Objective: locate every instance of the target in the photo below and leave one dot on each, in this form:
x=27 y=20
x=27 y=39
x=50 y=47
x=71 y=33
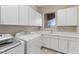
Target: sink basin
x=21 y=34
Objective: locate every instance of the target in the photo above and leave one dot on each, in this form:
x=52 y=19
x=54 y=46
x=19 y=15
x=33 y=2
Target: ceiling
x=40 y=5
x=51 y=5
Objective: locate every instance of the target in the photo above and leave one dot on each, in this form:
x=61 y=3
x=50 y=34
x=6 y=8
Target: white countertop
x=33 y=35
x=65 y=34
x=72 y=35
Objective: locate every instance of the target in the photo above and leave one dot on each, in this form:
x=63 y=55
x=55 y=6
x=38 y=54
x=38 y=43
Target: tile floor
x=48 y=51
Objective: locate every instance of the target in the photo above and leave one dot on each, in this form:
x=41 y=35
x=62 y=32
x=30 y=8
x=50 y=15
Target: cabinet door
x=23 y=15
x=61 y=17
x=71 y=18
x=38 y=19
x=63 y=46
x=32 y=17
x=54 y=44
x=47 y=42
x=9 y=14
x=67 y=17
x=73 y=47
x=35 y=19
x=50 y=42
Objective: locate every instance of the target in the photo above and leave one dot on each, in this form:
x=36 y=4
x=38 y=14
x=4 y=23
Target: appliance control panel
x=5 y=36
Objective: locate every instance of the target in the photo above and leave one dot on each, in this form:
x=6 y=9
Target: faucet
x=52 y=29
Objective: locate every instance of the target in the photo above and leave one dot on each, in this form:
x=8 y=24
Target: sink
x=22 y=34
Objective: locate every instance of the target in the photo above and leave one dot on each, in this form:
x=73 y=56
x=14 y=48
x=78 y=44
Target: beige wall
x=54 y=8
x=67 y=28
x=14 y=29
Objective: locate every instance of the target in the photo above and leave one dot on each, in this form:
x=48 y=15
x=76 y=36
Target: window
x=51 y=22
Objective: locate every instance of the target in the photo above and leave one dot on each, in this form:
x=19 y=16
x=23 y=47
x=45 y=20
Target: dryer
x=32 y=42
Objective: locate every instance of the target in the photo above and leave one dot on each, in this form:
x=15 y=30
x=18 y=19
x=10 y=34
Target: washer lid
x=6 y=47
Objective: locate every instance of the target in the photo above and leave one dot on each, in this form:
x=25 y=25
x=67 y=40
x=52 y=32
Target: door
x=9 y=14
x=23 y=15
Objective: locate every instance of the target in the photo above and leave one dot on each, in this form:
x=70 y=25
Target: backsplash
x=67 y=28
x=13 y=29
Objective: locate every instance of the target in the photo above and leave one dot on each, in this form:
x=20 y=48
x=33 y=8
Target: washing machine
x=32 y=42
x=10 y=45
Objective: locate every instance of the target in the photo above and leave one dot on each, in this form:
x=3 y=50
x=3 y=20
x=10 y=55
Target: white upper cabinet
x=72 y=16
x=67 y=17
x=35 y=18
x=38 y=20
x=32 y=16
x=9 y=14
x=61 y=16
x=23 y=15
x=20 y=15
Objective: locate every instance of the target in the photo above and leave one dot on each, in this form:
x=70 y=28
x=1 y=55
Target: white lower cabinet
x=63 y=46
x=54 y=44
x=73 y=47
x=46 y=42
x=50 y=42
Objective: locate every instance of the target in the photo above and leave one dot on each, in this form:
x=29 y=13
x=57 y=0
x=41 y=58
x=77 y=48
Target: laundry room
x=38 y=29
